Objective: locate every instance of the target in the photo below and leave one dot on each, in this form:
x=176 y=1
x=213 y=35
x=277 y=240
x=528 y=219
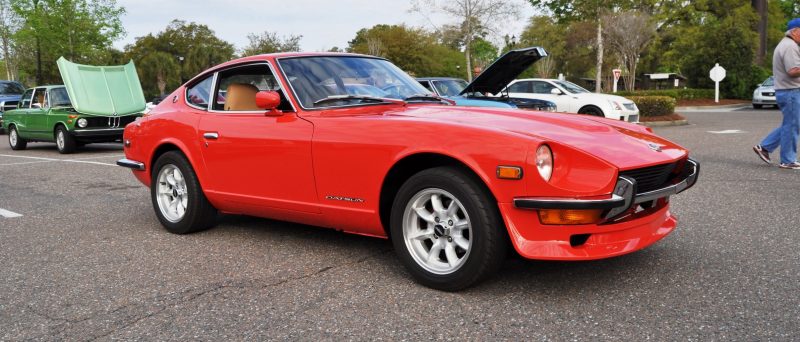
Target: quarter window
x=197 y=95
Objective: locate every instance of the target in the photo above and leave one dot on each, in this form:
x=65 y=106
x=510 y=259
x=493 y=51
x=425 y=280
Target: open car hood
x=102 y=90
x=504 y=70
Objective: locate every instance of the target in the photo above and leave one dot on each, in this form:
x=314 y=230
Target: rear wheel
x=65 y=142
x=591 y=110
x=15 y=141
x=177 y=197
x=446 y=229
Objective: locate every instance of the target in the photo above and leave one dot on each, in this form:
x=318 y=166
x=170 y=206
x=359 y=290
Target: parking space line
x=76 y=160
x=8 y=214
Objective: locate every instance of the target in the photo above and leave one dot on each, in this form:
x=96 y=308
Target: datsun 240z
x=279 y=136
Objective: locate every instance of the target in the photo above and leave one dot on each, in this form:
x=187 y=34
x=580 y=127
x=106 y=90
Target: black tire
x=199 y=213
x=758 y=106
x=489 y=239
x=65 y=142
x=19 y=143
x=592 y=110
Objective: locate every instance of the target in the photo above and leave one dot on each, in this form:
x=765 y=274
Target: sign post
x=617 y=74
x=717 y=74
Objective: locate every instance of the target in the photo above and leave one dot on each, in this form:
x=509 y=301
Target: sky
x=323 y=24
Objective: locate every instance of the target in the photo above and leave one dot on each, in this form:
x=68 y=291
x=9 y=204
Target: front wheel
x=446 y=229
x=65 y=142
x=177 y=197
x=591 y=110
x=15 y=141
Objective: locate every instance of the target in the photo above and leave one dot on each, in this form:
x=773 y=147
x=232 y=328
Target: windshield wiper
x=425 y=97
x=363 y=98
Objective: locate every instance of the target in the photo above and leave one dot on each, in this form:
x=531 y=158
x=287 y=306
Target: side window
x=38 y=97
x=197 y=95
x=237 y=87
x=542 y=87
x=520 y=87
x=25 y=101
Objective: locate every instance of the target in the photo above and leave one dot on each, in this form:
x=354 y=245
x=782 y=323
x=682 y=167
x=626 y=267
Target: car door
x=564 y=102
x=20 y=115
x=37 y=116
x=253 y=158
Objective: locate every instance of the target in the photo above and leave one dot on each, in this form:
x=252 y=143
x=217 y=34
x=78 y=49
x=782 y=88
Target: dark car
x=492 y=81
x=10 y=92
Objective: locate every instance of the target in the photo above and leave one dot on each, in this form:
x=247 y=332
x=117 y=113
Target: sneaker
x=791 y=166
x=762 y=153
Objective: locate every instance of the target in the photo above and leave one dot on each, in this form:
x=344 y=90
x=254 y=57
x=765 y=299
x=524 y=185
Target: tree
x=162 y=68
x=9 y=24
x=80 y=30
x=790 y=8
x=194 y=47
x=474 y=18
x=544 y=32
x=483 y=52
x=269 y=42
x=629 y=36
x=412 y=49
x=573 y=10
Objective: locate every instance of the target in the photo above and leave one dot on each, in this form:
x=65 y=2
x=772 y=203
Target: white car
x=764 y=95
x=572 y=98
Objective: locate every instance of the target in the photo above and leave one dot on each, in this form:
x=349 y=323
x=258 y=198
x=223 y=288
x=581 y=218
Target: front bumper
x=631 y=221
x=98 y=134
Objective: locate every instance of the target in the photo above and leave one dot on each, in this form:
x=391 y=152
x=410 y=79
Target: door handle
x=211 y=135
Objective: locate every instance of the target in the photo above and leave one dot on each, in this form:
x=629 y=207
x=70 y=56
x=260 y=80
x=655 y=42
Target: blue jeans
x=786 y=135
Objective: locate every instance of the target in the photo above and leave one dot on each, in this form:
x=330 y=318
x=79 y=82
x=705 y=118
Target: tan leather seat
x=241 y=97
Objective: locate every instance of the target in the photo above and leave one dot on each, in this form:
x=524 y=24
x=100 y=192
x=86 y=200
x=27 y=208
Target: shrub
x=654 y=105
x=678 y=94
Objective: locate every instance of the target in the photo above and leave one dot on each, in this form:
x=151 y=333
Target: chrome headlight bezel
x=82 y=123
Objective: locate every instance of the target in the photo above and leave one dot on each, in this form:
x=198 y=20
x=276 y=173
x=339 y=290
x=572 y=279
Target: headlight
x=615 y=105
x=82 y=123
x=544 y=162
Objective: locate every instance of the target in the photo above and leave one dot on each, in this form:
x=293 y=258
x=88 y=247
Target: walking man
x=786 y=69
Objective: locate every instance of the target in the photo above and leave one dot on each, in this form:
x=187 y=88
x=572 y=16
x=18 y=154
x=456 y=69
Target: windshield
x=769 y=82
x=317 y=78
x=449 y=87
x=59 y=98
x=571 y=87
x=11 y=88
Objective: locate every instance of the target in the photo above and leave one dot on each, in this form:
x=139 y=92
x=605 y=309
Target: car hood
x=766 y=88
x=621 y=144
x=102 y=90
x=10 y=97
x=504 y=70
x=464 y=101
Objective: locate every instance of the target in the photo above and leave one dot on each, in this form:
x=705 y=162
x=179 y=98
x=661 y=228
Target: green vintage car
x=94 y=105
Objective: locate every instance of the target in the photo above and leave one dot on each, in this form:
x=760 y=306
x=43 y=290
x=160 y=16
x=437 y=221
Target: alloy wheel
x=172 y=195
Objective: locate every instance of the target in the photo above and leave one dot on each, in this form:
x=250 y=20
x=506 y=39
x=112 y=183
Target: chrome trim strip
x=121 y=129
x=621 y=200
x=131 y=164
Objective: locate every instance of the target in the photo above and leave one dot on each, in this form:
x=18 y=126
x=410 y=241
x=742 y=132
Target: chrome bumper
x=623 y=198
x=131 y=164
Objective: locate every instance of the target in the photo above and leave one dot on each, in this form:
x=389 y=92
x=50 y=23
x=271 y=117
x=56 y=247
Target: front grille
x=768 y=94
x=633 y=118
x=650 y=178
x=630 y=106
x=109 y=121
x=8 y=105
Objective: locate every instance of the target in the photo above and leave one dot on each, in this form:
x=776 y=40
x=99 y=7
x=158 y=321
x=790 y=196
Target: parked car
x=480 y=92
x=86 y=109
x=764 y=95
x=453 y=187
x=10 y=92
x=572 y=98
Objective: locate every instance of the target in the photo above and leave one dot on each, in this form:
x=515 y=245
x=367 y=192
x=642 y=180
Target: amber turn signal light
x=509 y=172
x=569 y=216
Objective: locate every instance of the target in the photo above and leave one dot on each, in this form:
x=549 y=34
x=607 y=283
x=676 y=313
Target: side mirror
x=36 y=105
x=269 y=100
x=555 y=91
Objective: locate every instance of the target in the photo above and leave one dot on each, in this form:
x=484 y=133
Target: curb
x=665 y=123
x=730 y=106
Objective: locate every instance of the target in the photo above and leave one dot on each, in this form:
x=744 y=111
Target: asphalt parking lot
x=87 y=260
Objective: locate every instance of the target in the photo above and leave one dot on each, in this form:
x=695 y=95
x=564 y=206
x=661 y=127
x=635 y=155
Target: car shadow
x=516 y=275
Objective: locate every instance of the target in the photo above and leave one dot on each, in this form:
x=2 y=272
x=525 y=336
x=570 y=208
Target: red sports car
x=286 y=136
